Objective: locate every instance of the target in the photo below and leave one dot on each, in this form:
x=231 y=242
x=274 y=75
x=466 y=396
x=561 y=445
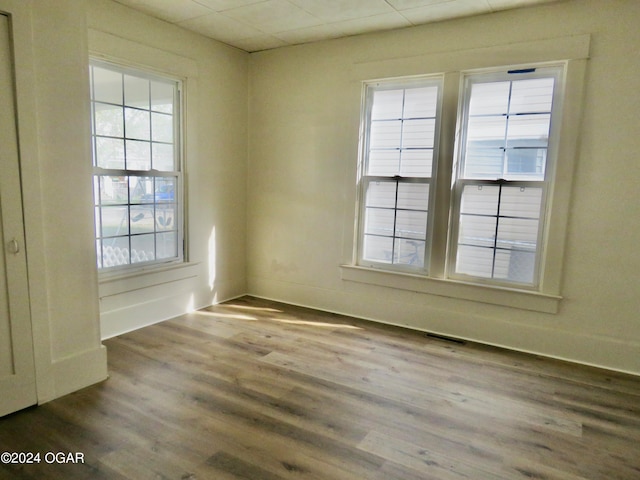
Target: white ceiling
x=254 y=25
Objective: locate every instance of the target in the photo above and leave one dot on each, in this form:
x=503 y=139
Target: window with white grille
x=500 y=176
x=136 y=165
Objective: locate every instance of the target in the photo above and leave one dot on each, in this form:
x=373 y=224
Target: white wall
x=216 y=79
x=303 y=138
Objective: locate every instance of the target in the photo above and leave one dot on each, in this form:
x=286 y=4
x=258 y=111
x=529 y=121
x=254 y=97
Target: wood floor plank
x=255 y=389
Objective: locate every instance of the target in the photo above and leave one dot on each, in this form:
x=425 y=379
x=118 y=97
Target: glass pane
x=484 y=162
x=480 y=200
x=515 y=266
x=528 y=131
x=165 y=189
x=162 y=127
x=411 y=224
x=420 y=102
x=167 y=245
x=108 y=120
x=142 y=248
x=377 y=249
x=409 y=252
x=533 y=95
x=141 y=189
x=489 y=98
x=138 y=155
x=107 y=86
x=115 y=251
x=385 y=134
x=414 y=196
x=137 y=124
x=142 y=219
x=162 y=97
x=115 y=221
x=517 y=233
x=109 y=152
x=384 y=162
x=166 y=216
x=381 y=194
x=521 y=202
x=387 y=104
x=162 y=157
x=477 y=230
x=379 y=221
x=99 y=252
x=136 y=92
x=526 y=163
x=418 y=133
x=486 y=132
x=416 y=163
x=476 y=261
x=113 y=190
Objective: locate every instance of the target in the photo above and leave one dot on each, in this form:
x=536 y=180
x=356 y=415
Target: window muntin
x=398 y=151
x=501 y=178
x=136 y=166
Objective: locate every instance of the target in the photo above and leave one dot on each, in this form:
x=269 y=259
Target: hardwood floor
x=259 y=390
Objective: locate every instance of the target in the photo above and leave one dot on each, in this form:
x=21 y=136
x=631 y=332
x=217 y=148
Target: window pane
x=413 y=196
x=515 y=266
x=142 y=248
x=517 y=234
x=113 y=190
x=379 y=221
x=521 y=202
x=411 y=224
x=137 y=124
x=166 y=217
x=475 y=261
x=109 y=152
x=480 y=199
x=486 y=132
x=418 y=133
x=477 y=230
x=409 y=252
x=142 y=219
x=385 y=134
x=115 y=221
x=138 y=155
x=115 y=252
x=526 y=163
x=528 y=130
x=416 y=163
x=163 y=157
x=377 y=249
x=162 y=97
x=381 y=194
x=165 y=189
x=387 y=104
x=484 y=162
x=166 y=245
x=489 y=98
x=162 y=127
x=108 y=120
x=136 y=92
x=107 y=86
x=533 y=95
x=141 y=189
x=420 y=102
x=384 y=162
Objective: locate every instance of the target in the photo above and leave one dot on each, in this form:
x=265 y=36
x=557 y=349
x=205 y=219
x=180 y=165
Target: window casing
x=135 y=119
x=500 y=175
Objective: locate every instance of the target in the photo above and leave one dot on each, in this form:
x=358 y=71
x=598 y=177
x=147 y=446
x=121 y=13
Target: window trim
x=149 y=267
x=574 y=50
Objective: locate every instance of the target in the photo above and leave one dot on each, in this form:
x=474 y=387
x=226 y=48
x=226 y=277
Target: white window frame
x=571 y=50
x=176 y=173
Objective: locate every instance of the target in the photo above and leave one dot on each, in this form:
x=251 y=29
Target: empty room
x=319 y=239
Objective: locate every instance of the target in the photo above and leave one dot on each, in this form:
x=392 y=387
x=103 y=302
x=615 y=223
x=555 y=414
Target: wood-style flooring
x=258 y=390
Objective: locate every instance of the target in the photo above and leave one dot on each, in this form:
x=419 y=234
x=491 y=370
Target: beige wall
x=303 y=139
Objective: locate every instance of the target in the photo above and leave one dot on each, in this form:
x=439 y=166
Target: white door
x=17 y=371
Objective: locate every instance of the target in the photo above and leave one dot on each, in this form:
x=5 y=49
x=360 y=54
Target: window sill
x=122 y=282
x=522 y=299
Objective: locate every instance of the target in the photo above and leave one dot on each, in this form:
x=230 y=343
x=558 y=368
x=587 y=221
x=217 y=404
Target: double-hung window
x=136 y=167
x=498 y=177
